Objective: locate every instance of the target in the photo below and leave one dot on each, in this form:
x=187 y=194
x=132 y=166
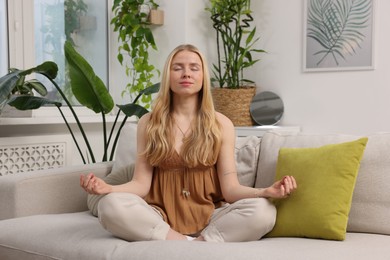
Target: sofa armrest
x=46 y=191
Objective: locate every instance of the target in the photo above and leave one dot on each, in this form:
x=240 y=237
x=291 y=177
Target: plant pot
x=144 y=9
x=156 y=17
x=235 y=104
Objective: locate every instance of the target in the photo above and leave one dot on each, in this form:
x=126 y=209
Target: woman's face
x=186 y=73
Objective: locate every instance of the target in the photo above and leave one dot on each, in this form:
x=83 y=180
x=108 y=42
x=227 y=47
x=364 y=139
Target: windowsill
x=58 y=120
x=51 y=116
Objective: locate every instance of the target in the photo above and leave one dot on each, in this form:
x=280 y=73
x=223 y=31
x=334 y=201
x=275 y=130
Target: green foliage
x=336 y=26
x=235 y=40
x=14 y=83
x=136 y=39
x=25 y=102
x=73 y=10
x=87 y=88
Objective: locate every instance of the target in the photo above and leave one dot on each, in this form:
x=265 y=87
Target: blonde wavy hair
x=202 y=146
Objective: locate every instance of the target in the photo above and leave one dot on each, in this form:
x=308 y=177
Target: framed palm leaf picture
x=338 y=35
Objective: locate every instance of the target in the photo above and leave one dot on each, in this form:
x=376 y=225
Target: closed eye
x=195 y=68
x=177 y=67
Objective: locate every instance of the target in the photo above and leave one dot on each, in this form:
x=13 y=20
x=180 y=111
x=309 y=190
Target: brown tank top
x=186 y=197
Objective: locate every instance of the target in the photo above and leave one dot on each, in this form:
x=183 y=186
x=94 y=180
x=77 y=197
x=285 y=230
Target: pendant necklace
x=186 y=193
x=182 y=132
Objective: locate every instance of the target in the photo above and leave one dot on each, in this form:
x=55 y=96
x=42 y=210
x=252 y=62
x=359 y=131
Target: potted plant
x=15 y=84
x=136 y=39
x=235 y=38
x=88 y=89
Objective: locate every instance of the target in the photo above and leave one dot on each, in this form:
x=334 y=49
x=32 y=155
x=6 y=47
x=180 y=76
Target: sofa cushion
x=46 y=191
x=246 y=153
x=370 y=209
x=326 y=177
x=80 y=236
x=126 y=150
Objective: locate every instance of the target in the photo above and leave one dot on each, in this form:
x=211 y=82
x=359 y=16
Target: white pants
x=129 y=217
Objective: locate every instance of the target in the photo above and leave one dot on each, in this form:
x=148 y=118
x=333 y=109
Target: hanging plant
x=136 y=39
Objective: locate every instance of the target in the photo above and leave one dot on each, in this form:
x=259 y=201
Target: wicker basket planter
x=235 y=103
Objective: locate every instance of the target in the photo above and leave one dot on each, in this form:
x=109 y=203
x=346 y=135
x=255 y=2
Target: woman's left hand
x=282 y=188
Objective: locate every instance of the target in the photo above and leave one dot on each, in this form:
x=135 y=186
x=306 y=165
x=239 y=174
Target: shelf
x=261 y=130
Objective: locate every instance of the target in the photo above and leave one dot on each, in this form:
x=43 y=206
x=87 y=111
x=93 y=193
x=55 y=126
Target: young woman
x=185 y=183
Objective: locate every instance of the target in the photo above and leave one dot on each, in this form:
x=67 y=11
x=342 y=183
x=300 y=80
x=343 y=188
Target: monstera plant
x=336 y=25
x=88 y=89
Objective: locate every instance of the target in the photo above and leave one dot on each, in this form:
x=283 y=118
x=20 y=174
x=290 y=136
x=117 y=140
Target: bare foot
x=173 y=235
x=199 y=238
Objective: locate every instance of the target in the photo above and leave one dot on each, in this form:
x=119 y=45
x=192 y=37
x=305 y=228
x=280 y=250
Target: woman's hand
x=282 y=188
x=94 y=185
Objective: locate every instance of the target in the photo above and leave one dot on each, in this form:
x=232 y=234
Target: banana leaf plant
x=88 y=89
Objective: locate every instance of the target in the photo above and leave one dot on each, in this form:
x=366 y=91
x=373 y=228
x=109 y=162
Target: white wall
x=352 y=102
x=347 y=102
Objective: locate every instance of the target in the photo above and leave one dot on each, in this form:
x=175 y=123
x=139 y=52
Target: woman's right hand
x=94 y=185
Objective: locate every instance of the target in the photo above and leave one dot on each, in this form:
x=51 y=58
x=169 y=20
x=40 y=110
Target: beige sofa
x=44 y=214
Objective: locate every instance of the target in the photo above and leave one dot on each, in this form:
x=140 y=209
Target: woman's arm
x=143 y=172
x=232 y=190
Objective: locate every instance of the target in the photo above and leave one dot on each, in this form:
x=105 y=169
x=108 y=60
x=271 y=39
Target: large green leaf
x=27 y=102
x=37 y=86
x=147 y=91
x=150 y=90
x=47 y=68
x=7 y=84
x=133 y=110
x=87 y=87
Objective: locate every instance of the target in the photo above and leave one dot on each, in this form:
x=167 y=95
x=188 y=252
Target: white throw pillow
x=126 y=150
x=247 y=154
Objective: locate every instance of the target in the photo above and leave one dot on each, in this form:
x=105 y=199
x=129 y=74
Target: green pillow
x=326 y=179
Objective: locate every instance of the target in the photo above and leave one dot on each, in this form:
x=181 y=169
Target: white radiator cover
x=30 y=153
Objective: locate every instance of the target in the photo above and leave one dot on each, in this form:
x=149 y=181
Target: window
x=3 y=38
x=43 y=26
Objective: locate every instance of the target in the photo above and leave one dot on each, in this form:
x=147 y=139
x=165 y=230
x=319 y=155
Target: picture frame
x=338 y=35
